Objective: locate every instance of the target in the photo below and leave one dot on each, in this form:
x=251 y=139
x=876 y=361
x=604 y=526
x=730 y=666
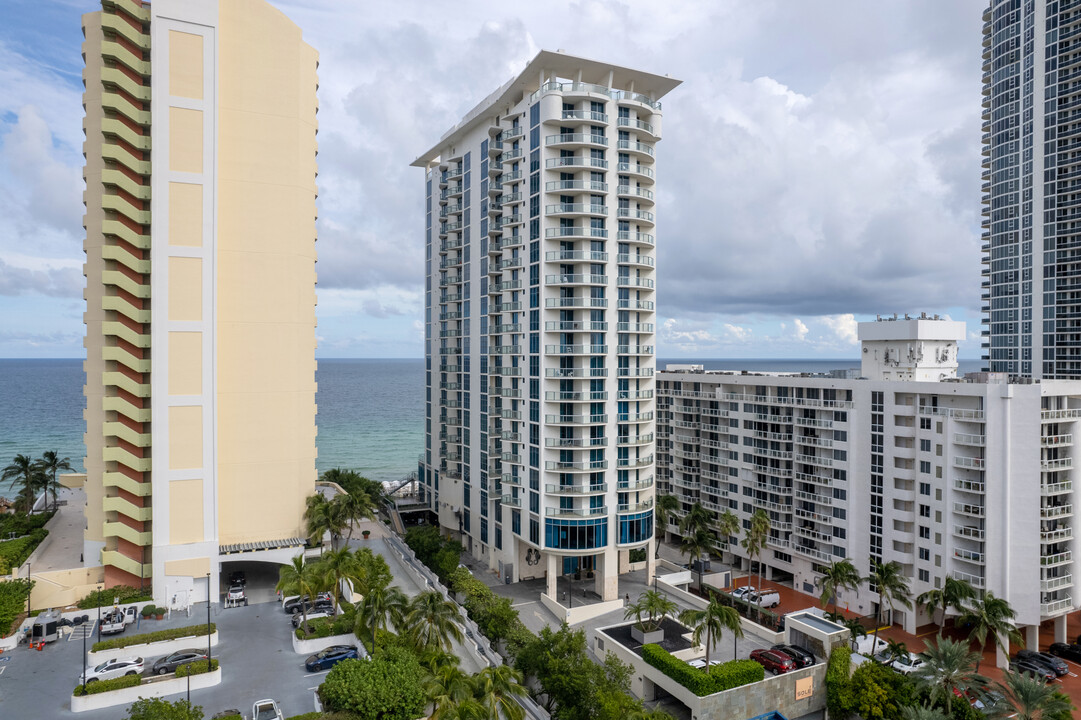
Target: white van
x=766 y=598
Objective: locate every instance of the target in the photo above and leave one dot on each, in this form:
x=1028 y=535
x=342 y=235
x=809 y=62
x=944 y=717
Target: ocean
x=371 y=411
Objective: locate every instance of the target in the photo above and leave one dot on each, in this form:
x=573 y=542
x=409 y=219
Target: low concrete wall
x=579 y=613
x=307 y=647
x=154 y=649
x=59 y=588
x=689 y=598
x=147 y=689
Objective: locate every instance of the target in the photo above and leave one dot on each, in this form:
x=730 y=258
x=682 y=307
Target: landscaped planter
x=162 y=647
x=307 y=647
x=150 y=688
x=656 y=636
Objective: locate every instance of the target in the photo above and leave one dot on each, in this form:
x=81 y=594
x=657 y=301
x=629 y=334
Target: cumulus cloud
x=801 y=329
x=53 y=281
x=844 y=327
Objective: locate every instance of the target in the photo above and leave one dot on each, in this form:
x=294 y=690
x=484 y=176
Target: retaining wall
x=149 y=688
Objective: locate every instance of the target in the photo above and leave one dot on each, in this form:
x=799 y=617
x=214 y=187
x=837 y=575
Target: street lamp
x=84 y=655
x=207 y=622
x=29 y=588
x=101 y=588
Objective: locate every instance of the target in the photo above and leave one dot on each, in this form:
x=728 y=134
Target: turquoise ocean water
x=371 y=412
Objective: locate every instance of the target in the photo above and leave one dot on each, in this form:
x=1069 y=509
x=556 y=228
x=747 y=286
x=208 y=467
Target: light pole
x=207 y=623
x=29 y=589
x=84 y=655
x=101 y=589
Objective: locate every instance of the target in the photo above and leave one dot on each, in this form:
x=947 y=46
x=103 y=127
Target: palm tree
x=754 y=542
x=696 y=546
x=892 y=587
x=662 y=511
x=954 y=594
x=712 y=621
x=339 y=565
x=838 y=575
x=446 y=686
x=727 y=527
x=495 y=689
x=1030 y=698
x=990 y=615
x=895 y=649
x=353 y=507
x=50 y=463
x=322 y=516
x=23 y=469
x=919 y=712
x=300 y=578
x=948 y=668
x=654 y=605
x=856 y=628
x=380 y=609
x=434 y=621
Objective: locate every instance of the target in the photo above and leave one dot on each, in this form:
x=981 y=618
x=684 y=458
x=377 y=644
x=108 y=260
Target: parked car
x=1066 y=651
x=331 y=656
x=237 y=577
x=773 y=660
x=171 y=662
x=1058 y=665
x=113 y=622
x=114 y=669
x=1026 y=665
x=765 y=598
x=319 y=606
x=741 y=591
x=907 y=663
x=802 y=656
x=236 y=595
x=700 y=663
x=265 y=710
x=292 y=604
x=299 y=618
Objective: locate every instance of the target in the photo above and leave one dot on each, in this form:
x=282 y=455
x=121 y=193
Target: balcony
x=975 y=581
x=575 y=232
x=585 y=115
x=511 y=501
x=582 y=442
x=576 y=512
x=572 y=396
x=1052 y=489
x=1056 y=607
x=641 y=171
x=635 y=147
x=635 y=237
x=629 y=259
x=583 y=185
x=641 y=484
x=575 y=326
x=630 y=191
x=576 y=489
x=637 y=282
x=571 y=209
x=1048 y=537
x=575 y=419
x=582 y=466
x=1056 y=465
x=637 y=125
x=568 y=162
x=969 y=556
x=576 y=256
x=1056 y=583
x=969 y=486
x=1053 y=441
x=1056 y=559
x=571 y=280
x=635 y=507
x=969 y=510
x=1052 y=512
x=575 y=349
x=576 y=140
x=643 y=439
x=1057 y=415
x=633 y=214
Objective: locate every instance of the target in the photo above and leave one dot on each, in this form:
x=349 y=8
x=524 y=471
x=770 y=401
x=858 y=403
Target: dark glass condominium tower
x=1032 y=187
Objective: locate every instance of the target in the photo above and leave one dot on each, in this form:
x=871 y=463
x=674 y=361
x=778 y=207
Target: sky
x=819 y=164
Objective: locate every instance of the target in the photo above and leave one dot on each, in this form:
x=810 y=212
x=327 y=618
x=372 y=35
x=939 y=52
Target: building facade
x=964 y=477
x=200 y=266
x=539 y=313
x=1031 y=156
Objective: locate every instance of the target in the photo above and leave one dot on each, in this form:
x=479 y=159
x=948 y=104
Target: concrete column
x=606 y=577
x=1002 y=659
x=1060 y=629
x=552 y=575
x=651 y=560
x=1032 y=637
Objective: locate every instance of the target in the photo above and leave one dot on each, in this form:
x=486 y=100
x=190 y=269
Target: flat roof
x=818 y=623
x=559 y=64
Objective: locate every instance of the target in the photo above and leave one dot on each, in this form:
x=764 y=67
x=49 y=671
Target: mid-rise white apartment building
x=965 y=477
x=539 y=321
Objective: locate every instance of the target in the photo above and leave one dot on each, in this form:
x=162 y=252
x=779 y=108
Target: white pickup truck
x=266 y=710
x=114 y=621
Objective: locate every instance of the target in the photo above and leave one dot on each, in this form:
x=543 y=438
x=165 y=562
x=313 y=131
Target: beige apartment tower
x=200 y=302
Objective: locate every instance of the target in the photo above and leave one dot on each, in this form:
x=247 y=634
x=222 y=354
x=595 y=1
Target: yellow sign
x=804 y=688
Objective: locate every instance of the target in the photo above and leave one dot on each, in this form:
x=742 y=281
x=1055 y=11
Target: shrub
x=13 y=553
x=147 y=611
x=735 y=673
x=637 y=555
x=101 y=686
x=386 y=687
x=12 y=602
x=158 y=709
x=20 y=523
x=157 y=636
x=196 y=668
x=839 y=701
x=697 y=681
x=119 y=594
x=305 y=716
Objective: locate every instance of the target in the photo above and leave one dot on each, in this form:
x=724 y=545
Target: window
x=925 y=445
x=925 y=488
x=925 y=532
x=925 y=511
x=925 y=467
x=924 y=576
x=925 y=554
x=925 y=423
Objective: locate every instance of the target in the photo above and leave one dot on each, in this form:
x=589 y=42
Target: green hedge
x=719 y=678
x=13 y=553
x=105 y=598
x=196 y=668
x=305 y=716
x=22 y=524
x=492 y=613
x=326 y=626
x=156 y=636
x=100 y=686
x=12 y=603
x=838 y=698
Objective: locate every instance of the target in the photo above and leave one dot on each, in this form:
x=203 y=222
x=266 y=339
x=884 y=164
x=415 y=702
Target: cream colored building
x=200 y=267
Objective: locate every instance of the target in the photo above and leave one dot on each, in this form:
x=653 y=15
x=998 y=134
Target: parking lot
x=255 y=651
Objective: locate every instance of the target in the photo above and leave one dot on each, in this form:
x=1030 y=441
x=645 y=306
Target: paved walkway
x=63 y=549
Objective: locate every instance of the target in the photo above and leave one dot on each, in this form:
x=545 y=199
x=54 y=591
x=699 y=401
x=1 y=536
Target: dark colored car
x=317 y=611
x=293 y=606
x=1057 y=665
x=773 y=660
x=171 y=662
x=803 y=657
x=331 y=656
x=237 y=577
x=1025 y=665
x=1066 y=651
x=319 y=605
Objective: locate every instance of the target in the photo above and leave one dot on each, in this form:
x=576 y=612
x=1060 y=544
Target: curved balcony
x=639 y=484
x=636 y=148
x=566 y=140
x=635 y=440
x=505 y=264
x=640 y=328
x=575 y=349
x=583 y=372
x=575 y=489
x=635 y=282
x=566 y=280
x=634 y=463
x=509 y=221
x=576 y=302
x=583 y=115
x=575 y=255
x=583 y=185
x=512 y=154
x=634 y=349
x=575 y=326
x=638 y=193
x=569 y=162
x=634 y=215
x=635 y=305
x=575 y=209
x=582 y=466
x=640 y=417
x=637 y=125
x=576 y=512
x=581 y=442
x=645 y=261
x=627 y=98
x=512 y=133
x=576 y=419
x=571 y=396
x=642 y=172
x=575 y=232
x=635 y=507
x=496 y=288
x=638 y=238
